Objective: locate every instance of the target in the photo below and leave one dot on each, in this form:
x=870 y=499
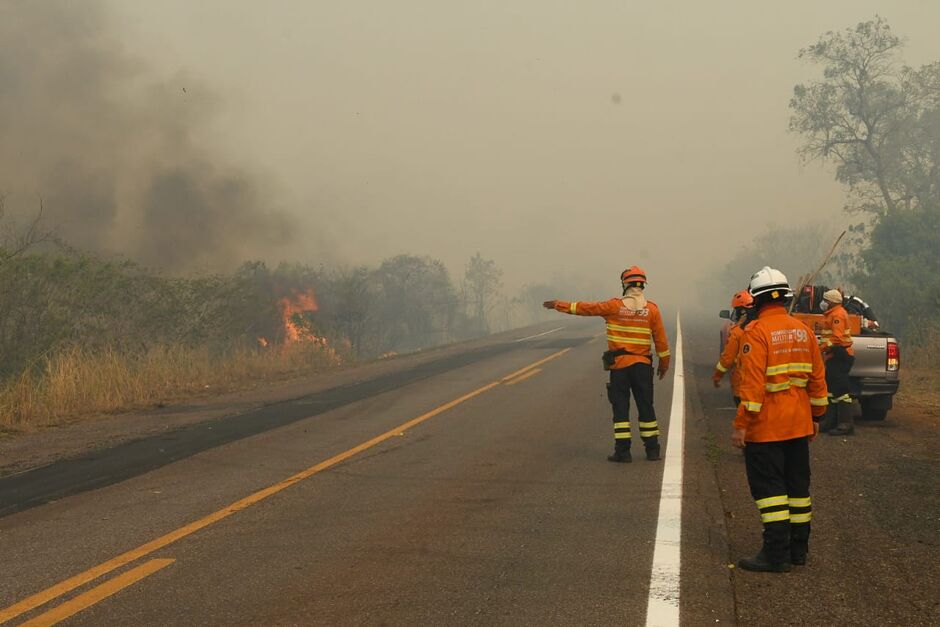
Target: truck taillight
x=894 y=356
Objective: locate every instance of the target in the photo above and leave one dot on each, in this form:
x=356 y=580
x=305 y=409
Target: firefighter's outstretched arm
x=604 y=308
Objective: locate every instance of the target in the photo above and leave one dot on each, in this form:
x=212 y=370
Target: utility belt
x=610 y=357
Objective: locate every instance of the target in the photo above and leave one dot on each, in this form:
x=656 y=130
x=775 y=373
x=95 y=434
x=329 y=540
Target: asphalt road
x=470 y=489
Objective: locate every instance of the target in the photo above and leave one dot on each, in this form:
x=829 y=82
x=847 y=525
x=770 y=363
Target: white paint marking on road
x=532 y=337
x=663 y=605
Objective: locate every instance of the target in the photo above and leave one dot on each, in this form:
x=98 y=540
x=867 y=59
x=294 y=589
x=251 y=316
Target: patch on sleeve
x=746 y=348
x=836 y=321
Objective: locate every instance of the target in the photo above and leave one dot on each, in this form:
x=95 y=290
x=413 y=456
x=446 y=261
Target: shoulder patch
x=746 y=348
x=836 y=321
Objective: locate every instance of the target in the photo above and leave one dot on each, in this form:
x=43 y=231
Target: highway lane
x=500 y=509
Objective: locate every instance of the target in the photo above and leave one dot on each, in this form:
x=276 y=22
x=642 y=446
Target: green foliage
x=54 y=301
x=879 y=123
x=901 y=273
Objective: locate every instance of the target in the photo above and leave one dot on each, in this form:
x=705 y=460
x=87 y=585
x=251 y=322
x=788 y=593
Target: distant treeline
x=55 y=300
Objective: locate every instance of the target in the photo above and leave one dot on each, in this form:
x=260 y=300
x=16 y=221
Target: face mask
x=823 y=306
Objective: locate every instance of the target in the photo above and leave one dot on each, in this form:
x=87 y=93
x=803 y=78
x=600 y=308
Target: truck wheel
x=873 y=409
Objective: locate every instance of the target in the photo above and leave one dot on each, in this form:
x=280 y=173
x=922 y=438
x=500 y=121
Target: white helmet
x=770 y=281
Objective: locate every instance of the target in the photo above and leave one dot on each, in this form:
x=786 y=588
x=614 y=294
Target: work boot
x=759 y=563
x=798 y=555
x=845 y=426
x=621 y=457
x=652 y=454
x=828 y=420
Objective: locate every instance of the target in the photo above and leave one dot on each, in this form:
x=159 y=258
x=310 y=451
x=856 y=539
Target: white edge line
x=523 y=339
x=663 y=604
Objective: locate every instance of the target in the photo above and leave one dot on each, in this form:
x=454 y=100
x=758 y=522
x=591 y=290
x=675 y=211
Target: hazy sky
x=550 y=136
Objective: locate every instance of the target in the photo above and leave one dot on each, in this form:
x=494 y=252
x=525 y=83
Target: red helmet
x=742 y=299
x=632 y=274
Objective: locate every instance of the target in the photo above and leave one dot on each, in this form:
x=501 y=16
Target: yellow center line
x=525 y=376
x=98 y=593
x=76 y=581
x=535 y=365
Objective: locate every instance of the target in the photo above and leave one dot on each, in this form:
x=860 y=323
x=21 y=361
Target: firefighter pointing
x=634 y=326
x=783 y=394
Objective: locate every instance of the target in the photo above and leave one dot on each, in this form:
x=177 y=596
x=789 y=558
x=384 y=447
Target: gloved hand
x=549 y=304
x=716 y=378
x=663 y=366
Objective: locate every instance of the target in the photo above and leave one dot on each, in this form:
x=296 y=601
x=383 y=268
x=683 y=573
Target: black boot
x=759 y=563
x=828 y=420
x=622 y=457
x=846 y=423
x=652 y=453
x=798 y=555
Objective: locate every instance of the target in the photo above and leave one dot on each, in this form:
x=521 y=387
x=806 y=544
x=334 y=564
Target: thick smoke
x=114 y=151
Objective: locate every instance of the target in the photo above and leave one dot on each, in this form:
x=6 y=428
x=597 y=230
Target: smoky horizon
x=564 y=143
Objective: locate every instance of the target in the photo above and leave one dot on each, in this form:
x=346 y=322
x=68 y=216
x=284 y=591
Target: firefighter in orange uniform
x=741 y=305
x=634 y=325
x=783 y=394
x=840 y=356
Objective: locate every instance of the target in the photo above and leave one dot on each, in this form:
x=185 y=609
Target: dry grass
x=77 y=382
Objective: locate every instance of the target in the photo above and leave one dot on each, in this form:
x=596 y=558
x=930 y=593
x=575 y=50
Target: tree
x=876 y=121
x=879 y=122
x=417 y=302
x=482 y=282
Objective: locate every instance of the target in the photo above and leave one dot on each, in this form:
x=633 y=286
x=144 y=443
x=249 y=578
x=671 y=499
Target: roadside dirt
x=875 y=546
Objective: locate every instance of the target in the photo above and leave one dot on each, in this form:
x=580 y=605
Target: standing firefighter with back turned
x=783 y=394
x=742 y=305
x=634 y=324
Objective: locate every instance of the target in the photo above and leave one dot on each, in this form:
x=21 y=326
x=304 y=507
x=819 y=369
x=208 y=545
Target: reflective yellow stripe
x=622 y=425
x=622 y=435
x=777 y=387
x=800 y=502
x=775 y=516
x=641 y=330
x=573 y=308
x=629 y=340
x=648 y=434
x=791 y=367
x=770 y=501
x=664 y=354
x=800 y=383
x=819 y=402
x=648 y=425
x=720 y=368
x=801 y=518
x=845 y=398
x=751 y=406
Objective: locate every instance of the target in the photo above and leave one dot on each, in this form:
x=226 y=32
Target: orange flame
x=290 y=306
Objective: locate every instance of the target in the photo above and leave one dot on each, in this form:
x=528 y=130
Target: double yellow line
x=95 y=595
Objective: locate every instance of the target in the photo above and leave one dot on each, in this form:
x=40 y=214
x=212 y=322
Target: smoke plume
x=114 y=150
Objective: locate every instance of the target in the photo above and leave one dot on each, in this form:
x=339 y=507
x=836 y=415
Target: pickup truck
x=874 y=376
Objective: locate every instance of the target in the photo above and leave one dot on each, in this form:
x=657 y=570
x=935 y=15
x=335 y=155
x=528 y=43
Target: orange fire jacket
x=783 y=379
x=633 y=331
x=729 y=356
x=836 y=331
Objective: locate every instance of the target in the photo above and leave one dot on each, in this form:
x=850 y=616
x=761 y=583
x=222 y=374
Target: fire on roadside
x=294 y=327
